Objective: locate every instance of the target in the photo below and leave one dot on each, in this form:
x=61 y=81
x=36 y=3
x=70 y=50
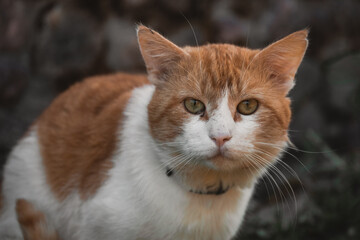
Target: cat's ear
x=160 y=55
x=281 y=59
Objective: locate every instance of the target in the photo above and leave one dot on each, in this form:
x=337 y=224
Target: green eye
x=248 y=106
x=194 y=106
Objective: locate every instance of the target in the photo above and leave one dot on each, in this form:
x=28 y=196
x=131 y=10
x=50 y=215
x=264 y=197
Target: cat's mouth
x=221 y=154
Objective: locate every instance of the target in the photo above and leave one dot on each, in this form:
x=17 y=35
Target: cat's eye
x=248 y=106
x=194 y=106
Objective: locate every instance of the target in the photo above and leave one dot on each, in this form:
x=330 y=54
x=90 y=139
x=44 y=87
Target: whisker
x=282 y=149
x=285 y=165
x=271 y=181
x=252 y=166
x=276 y=171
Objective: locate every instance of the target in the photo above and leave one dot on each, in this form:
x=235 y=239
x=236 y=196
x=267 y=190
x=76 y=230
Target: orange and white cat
x=171 y=155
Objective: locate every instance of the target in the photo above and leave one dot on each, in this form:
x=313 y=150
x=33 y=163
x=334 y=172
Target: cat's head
x=220 y=106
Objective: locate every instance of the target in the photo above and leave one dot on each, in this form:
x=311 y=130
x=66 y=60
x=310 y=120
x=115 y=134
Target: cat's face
x=220 y=106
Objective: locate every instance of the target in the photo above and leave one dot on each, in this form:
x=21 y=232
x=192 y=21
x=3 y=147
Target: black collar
x=219 y=191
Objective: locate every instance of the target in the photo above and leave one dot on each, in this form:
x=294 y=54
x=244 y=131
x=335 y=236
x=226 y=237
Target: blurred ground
x=47 y=45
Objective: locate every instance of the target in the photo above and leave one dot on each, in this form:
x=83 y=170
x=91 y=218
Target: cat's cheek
x=243 y=136
x=195 y=139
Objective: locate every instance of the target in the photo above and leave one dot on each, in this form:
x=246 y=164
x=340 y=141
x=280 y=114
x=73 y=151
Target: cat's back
x=78 y=132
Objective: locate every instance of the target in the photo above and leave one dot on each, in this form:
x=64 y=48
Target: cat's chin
x=223 y=162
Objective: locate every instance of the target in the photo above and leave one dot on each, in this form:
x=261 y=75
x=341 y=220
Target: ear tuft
x=141 y=27
x=282 y=59
x=160 y=55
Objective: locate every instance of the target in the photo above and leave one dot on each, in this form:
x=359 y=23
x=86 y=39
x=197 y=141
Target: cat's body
x=122 y=157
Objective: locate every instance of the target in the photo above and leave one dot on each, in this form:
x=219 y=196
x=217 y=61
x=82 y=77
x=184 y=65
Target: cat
x=171 y=155
x=33 y=223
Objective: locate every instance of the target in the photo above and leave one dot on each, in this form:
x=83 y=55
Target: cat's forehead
x=216 y=69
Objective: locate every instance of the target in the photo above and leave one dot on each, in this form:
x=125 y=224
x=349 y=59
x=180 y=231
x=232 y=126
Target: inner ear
x=160 y=55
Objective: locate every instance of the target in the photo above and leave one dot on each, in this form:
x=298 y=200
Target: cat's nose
x=220 y=140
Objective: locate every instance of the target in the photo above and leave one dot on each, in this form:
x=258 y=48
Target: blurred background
x=47 y=45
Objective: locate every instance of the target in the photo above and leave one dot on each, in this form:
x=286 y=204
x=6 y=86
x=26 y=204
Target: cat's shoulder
x=78 y=132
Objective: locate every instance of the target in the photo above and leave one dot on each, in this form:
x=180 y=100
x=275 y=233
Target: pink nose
x=220 y=140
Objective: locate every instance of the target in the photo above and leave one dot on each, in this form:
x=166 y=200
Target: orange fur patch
x=33 y=223
x=78 y=132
